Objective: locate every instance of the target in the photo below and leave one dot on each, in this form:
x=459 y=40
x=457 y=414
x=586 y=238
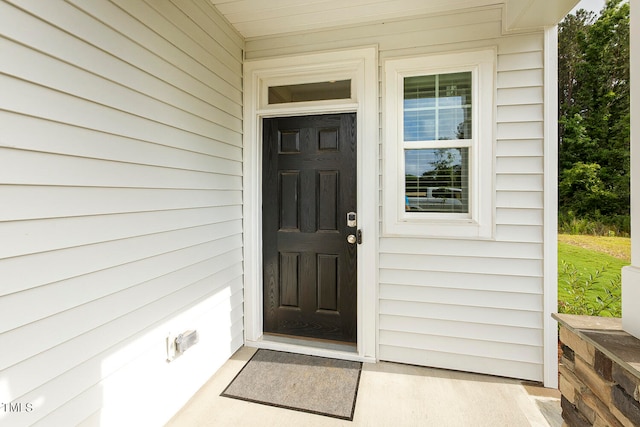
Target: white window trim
x=361 y=66
x=479 y=223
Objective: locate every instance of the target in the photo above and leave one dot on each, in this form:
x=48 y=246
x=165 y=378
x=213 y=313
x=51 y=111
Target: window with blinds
x=437 y=129
x=438 y=168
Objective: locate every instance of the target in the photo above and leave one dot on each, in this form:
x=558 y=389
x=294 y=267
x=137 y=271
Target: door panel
x=309 y=185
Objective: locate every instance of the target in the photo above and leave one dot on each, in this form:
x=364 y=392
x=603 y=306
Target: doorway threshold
x=312 y=347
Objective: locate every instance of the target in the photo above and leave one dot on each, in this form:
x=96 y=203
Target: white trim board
x=361 y=66
x=550 y=267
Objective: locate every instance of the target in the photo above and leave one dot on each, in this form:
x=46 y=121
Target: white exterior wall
x=473 y=305
x=120 y=206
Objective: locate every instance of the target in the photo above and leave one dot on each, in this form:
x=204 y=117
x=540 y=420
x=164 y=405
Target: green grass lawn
x=589 y=270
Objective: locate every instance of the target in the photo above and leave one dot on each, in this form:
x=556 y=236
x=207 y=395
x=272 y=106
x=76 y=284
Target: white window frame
x=479 y=221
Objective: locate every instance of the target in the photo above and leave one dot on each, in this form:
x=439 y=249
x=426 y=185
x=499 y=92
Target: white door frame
x=361 y=67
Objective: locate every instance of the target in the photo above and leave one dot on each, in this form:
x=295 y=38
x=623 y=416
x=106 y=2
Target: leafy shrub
x=585 y=295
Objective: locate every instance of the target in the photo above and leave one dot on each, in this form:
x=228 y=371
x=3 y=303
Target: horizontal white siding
x=121 y=218
x=472 y=305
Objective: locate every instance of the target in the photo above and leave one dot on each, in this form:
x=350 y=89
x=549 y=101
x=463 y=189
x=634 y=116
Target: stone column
x=631 y=274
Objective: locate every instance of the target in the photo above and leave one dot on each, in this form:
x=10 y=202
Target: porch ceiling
x=258 y=18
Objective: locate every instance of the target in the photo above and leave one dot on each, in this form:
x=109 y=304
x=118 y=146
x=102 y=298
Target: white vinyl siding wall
x=120 y=206
x=473 y=305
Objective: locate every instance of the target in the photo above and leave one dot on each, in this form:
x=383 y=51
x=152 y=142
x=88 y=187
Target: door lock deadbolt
x=352 y=219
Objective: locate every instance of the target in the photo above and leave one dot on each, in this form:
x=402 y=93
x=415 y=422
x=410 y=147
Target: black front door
x=308 y=187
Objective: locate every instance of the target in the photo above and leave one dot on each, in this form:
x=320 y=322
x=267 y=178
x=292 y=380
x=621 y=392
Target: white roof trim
x=527 y=14
x=259 y=18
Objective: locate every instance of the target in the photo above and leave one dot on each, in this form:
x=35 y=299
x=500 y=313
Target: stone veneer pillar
x=599 y=372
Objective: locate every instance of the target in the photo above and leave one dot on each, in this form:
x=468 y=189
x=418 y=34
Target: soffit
x=259 y=18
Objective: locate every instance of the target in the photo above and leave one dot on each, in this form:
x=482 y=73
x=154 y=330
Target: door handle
x=355 y=238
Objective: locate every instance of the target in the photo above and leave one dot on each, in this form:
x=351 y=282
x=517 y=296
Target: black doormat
x=318 y=385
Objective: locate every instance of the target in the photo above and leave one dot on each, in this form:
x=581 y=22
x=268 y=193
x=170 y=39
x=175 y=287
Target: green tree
x=571 y=41
x=594 y=119
x=576 y=143
x=582 y=188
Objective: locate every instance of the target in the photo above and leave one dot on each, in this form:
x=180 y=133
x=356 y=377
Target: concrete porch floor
x=390 y=394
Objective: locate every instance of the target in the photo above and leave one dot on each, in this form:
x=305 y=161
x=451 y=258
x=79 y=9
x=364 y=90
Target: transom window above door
x=439 y=145
x=320 y=91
